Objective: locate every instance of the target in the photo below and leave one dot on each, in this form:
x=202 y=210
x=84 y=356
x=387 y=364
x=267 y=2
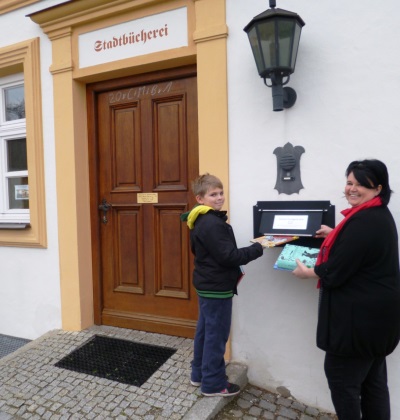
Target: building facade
x=111 y=107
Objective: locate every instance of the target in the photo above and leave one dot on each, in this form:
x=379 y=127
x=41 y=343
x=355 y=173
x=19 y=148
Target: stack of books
x=290 y=253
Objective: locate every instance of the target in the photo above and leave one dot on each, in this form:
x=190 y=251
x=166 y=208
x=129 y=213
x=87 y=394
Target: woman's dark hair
x=371 y=173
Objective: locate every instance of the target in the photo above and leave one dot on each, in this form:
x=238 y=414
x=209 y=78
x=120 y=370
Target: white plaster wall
x=30 y=287
x=348 y=84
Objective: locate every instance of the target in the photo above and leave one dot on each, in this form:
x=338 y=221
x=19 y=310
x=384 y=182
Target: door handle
x=104 y=207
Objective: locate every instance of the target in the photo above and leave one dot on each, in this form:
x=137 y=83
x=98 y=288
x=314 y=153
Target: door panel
x=170 y=144
x=144 y=154
x=128 y=276
x=169 y=278
x=127 y=167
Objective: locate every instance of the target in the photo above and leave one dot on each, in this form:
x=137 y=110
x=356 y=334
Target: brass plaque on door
x=143 y=198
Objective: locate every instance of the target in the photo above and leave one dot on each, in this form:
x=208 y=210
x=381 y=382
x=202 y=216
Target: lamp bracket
x=265 y=82
x=289 y=97
x=282 y=97
x=276 y=80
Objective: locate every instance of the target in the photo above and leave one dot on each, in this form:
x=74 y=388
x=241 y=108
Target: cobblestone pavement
x=32 y=387
x=256 y=403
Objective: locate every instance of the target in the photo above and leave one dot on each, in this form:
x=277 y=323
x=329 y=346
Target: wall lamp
x=274 y=37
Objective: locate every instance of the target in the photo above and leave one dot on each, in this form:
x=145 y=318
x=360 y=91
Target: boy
x=216 y=273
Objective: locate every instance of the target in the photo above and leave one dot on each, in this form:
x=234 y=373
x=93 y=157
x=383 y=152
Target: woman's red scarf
x=330 y=239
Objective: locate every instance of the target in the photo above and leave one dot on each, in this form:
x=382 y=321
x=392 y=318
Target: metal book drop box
x=297 y=218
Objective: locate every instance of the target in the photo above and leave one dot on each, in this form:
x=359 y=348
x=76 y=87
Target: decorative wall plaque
x=288 y=180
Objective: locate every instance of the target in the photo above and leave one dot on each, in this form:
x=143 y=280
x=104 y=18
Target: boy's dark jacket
x=217 y=258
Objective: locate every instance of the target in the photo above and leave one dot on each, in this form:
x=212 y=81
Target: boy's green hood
x=190 y=216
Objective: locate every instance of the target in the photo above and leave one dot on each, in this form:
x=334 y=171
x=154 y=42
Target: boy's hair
x=204 y=182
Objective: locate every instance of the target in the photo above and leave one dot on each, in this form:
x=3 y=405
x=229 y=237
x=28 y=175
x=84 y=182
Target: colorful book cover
x=269 y=241
x=290 y=253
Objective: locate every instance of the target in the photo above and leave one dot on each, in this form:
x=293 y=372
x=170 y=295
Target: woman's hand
x=323 y=232
x=304 y=272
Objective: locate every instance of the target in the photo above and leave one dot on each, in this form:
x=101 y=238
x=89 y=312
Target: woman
x=359 y=310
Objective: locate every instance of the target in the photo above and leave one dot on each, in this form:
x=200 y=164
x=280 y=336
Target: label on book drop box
x=290 y=253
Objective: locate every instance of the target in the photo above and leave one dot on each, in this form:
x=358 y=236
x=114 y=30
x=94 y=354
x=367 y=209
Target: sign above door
x=150 y=34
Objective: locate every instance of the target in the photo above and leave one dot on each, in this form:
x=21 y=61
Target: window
x=14 y=200
x=22 y=195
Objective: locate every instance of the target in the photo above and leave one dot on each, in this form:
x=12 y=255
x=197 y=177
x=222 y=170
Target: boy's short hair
x=204 y=182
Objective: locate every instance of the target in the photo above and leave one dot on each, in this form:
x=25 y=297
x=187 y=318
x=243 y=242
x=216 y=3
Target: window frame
x=9 y=131
x=8 y=82
x=24 y=58
x=8 y=215
x=10 y=5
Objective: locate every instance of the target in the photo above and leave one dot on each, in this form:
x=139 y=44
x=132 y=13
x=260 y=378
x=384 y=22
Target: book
x=242 y=273
x=269 y=241
x=290 y=253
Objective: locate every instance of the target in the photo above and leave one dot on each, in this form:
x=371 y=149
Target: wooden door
x=143 y=154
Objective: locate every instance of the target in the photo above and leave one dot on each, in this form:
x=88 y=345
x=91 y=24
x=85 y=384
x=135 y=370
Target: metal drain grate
x=118 y=360
x=9 y=344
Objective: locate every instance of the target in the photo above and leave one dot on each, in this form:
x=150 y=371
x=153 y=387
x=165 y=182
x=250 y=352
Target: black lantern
x=274 y=37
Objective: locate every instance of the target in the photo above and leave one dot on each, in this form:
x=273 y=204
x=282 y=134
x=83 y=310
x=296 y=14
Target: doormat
x=119 y=360
x=9 y=344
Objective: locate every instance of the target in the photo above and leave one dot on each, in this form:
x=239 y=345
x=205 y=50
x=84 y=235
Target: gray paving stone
x=269 y=397
x=266 y=405
x=236 y=413
x=267 y=415
x=255 y=411
x=298 y=406
x=244 y=403
x=284 y=401
x=254 y=391
x=312 y=411
x=247 y=396
x=287 y=412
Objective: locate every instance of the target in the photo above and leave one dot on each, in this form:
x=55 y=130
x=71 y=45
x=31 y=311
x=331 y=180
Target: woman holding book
x=359 y=310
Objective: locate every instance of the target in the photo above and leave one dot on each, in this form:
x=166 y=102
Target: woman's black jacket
x=359 y=312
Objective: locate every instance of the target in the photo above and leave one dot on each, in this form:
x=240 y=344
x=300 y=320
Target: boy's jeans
x=212 y=332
